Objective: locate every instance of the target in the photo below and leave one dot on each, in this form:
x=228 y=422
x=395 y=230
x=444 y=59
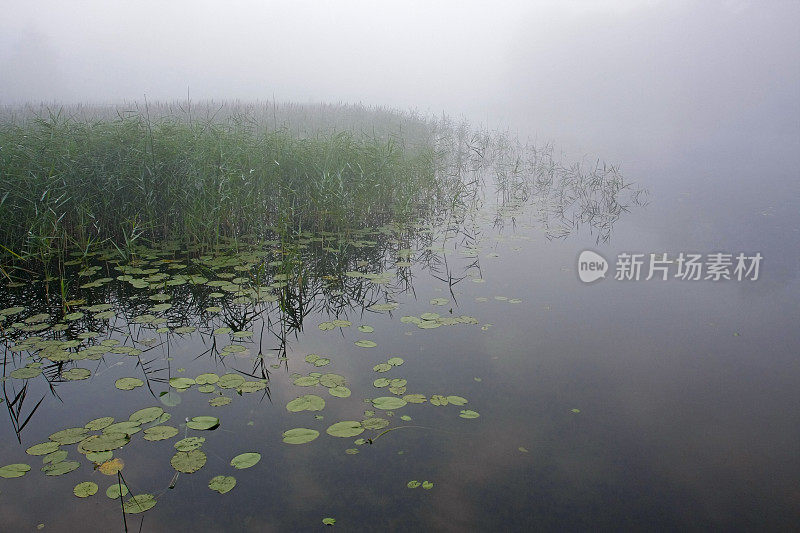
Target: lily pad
x=206 y=379
x=347 y=428
x=469 y=414
x=245 y=460
x=14 y=470
x=366 y=344
x=340 y=391
x=230 y=381
x=99 y=423
x=69 y=435
x=300 y=435
x=188 y=462
x=252 y=386
x=43 y=448
x=388 y=402
x=128 y=383
x=413 y=484
x=306 y=381
x=85 y=489
x=139 y=504
x=189 y=443
x=309 y=402
x=219 y=401
x=55 y=457
x=181 y=383
x=26 y=372
x=60 y=468
x=203 y=422
x=395 y=361
x=427 y=485
x=375 y=423
x=328 y=521
x=456 y=400
x=159 y=433
x=415 y=398
x=222 y=484
x=116 y=491
x=103 y=443
x=146 y=415
x=76 y=374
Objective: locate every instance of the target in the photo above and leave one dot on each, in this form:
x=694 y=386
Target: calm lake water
x=658 y=405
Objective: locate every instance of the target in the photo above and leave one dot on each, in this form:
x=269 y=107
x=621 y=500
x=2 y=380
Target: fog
x=611 y=77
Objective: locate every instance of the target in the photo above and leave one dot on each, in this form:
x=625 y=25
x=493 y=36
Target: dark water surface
x=657 y=405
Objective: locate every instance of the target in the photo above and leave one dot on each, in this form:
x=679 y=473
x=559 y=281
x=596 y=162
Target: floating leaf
x=111 y=467
x=469 y=414
x=104 y=442
x=206 y=379
x=456 y=400
x=139 y=504
x=306 y=381
x=189 y=443
x=14 y=470
x=99 y=457
x=523 y=449
x=252 y=386
x=331 y=380
x=347 y=428
x=366 y=344
x=309 y=402
x=230 y=381
x=99 y=423
x=413 y=484
x=116 y=491
x=395 y=361
x=329 y=521
x=26 y=373
x=181 y=383
x=375 y=423
x=299 y=435
x=188 y=462
x=415 y=398
x=124 y=427
x=380 y=383
x=60 y=468
x=576 y=411
x=388 y=402
x=382 y=367
x=159 y=433
x=203 y=422
x=427 y=485
x=366 y=329
x=340 y=391
x=438 y=399
x=146 y=415
x=69 y=435
x=76 y=374
x=85 y=489
x=128 y=383
x=245 y=460
x=55 y=457
x=170 y=398
x=43 y=449
x=222 y=484
x=219 y=401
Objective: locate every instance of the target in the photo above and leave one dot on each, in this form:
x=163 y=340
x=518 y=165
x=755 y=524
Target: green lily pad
x=456 y=400
x=347 y=428
x=99 y=457
x=415 y=398
x=188 y=462
x=222 y=484
x=219 y=401
x=69 y=435
x=169 y=398
x=203 y=422
x=245 y=460
x=139 y=504
x=117 y=491
x=395 y=361
x=331 y=380
x=146 y=415
x=340 y=391
x=206 y=379
x=380 y=383
x=382 y=367
x=438 y=399
x=469 y=414
x=230 y=381
x=103 y=443
x=43 y=448
x=375 y=423
x=26 y=372
x=427 y=485
x=76 y=374
x=14 y=470
x=388 y=402
x=328 y=521
x=128 y=383
x=60 y=468
x=309 y=402
x=55 y=457
x=366 y=344
x=181 y=383
x=159 y=433
x=306 y=381
x=124 y=427
x=85 y=489
x=300 y=435
x=413 y=484
x=252 y=386
x=189 y=443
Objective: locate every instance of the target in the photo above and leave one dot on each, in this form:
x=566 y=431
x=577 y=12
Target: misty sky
x=596 y=73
